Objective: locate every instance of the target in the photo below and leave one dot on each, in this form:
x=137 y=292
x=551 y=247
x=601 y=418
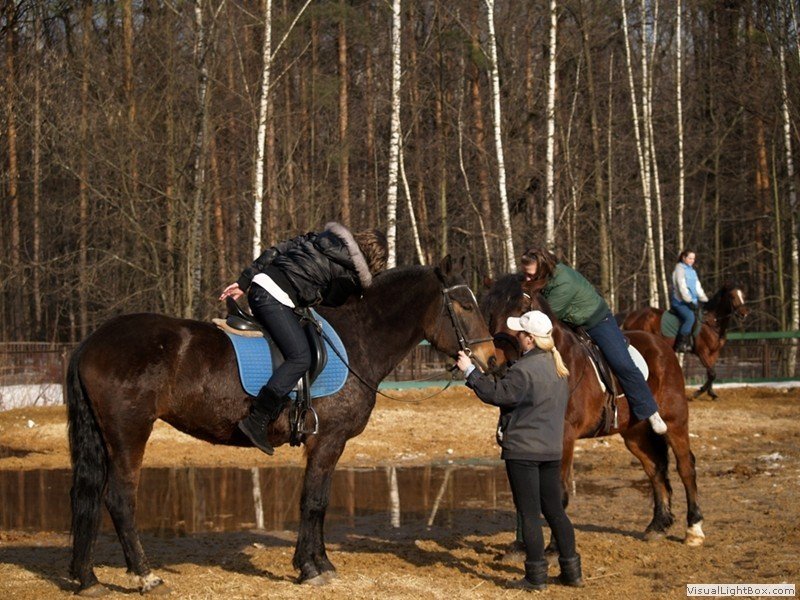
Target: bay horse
x=726 y=303
x=510 y=296
x=137 y=368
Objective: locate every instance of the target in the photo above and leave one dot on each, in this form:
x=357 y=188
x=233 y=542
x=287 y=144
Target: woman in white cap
x=532 y=397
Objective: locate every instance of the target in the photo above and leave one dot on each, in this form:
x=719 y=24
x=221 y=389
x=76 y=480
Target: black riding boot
x=265 y=409
x=683 y=343
x=535 y=576
x=571 y=571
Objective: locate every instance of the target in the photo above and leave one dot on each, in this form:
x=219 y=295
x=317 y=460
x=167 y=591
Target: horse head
x=728 y=301
x=460 y=325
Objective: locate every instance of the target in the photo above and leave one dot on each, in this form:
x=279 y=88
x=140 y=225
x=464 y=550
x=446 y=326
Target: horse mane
x=503 y=298
x=715 y=303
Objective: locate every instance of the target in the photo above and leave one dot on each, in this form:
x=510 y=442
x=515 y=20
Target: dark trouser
x=536 y=487
x=608 y=337
x=284 y=328
x=685 y=311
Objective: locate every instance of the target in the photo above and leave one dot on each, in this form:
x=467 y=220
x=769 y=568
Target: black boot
x=683 y=343
x=535 y=576
x=571 y=571
x=265 y=409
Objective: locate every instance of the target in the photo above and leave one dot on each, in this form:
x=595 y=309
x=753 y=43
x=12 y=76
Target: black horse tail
x=89 y=470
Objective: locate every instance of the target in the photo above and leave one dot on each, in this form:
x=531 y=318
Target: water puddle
x=180 y=501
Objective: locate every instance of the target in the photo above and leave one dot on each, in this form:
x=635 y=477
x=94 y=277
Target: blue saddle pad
x=254 y=357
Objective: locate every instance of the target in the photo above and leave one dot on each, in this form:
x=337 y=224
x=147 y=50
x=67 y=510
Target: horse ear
x=445 y=267
x=533 y=286
x=488 y=282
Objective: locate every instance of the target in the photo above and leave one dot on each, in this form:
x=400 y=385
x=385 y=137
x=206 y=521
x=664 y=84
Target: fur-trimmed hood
x=342 y=232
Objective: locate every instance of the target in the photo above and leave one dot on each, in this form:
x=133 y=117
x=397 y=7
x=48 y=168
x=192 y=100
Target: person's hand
x=463 y=361
x=233 y=290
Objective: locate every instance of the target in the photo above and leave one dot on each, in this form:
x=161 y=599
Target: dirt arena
x=747 y=446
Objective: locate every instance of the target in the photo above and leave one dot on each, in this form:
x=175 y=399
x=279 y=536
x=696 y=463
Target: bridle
x=463 y=341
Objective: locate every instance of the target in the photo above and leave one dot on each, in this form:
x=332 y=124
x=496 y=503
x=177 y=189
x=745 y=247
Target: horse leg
x=678 y=440
x=127 y=448
x=310 y=557
x=651 y=450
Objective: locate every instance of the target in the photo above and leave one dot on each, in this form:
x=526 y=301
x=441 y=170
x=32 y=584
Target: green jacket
x=573 y=299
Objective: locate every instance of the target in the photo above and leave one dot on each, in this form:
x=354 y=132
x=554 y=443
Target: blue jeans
x=608 y=337
x=283 y=326
x=685 y=311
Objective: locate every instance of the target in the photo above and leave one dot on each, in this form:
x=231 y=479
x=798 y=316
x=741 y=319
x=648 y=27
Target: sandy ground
x=747 y=446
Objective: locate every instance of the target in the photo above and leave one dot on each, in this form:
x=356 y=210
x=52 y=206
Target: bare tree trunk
x=794 y=320
x=130 y=100
x=372 y=214
x=83 y=174
x=344 y=158
x=612 y=298
x=263 y=116
x=394 y=142
x=16 y=304
x=440 y=149
x=194 y=242
x=37 y=170
x=468 y=192
x=550 y=202
x=480 y=130
x=644 y=169
x=498 y=140
x=679 y=106
x=219 y=218
x=599 y=191
x=410 y=202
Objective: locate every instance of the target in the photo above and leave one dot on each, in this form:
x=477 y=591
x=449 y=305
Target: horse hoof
x=653 y=536
x=694 y=535
x=317 y=580
x=153 y=585
x=329 y=576
x=94 y=591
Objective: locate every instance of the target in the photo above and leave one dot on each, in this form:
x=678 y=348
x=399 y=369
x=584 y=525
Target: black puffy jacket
x=316 y=268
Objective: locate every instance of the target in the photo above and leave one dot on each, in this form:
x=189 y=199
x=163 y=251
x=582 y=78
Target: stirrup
x=301 y=421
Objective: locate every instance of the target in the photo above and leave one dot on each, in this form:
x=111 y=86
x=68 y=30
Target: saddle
x=607 y=380
x=301 y=407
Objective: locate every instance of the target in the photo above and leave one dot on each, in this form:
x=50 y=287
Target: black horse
x=138 y=368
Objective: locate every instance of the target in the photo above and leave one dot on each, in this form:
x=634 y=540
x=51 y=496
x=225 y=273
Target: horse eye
x=467 y=307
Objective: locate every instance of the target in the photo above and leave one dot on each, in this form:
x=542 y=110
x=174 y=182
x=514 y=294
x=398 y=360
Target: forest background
x=149 y=147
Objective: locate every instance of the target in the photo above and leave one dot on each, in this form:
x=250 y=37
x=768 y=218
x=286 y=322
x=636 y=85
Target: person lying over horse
x=323 y=268
x=575 y=302
x=687 y=294
x=532 y=396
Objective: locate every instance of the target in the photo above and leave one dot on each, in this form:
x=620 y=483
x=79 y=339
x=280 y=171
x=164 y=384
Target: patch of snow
x=19 y=396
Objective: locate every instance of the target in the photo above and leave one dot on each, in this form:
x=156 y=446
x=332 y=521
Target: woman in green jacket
x=574 y=301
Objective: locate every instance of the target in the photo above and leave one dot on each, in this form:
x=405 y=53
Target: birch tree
x=261 y=134
x=194 y=262
x=793 y=217
x=550 y=204
x=644 y=168
x=394 y=140
x=510 y=259
x=679 y=110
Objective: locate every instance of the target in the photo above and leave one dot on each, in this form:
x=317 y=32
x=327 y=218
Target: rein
x=463 y=343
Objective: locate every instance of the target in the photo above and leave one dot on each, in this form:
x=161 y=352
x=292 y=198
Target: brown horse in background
x=138 y=368
x=726 y=303
x=509 y=296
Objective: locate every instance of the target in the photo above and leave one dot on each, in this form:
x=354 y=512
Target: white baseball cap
x=534 y=322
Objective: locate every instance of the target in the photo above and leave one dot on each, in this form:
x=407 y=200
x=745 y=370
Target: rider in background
x=574 y=301
x=323 y=268
x=687 y=293
x=532 y=397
